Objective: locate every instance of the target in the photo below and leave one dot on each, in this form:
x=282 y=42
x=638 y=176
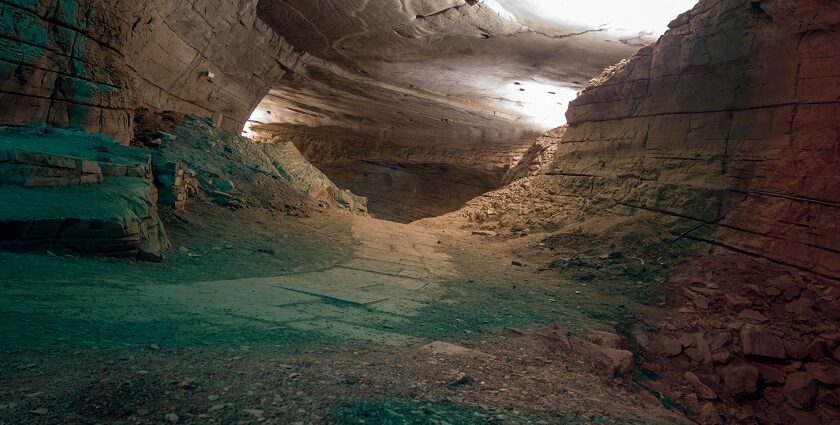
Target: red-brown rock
x=665 y=346
x=770 y=375
x=830 y=307
x=650 y=399
x=741 y=381
x=608 y=339
x=698 y=349
x=557 y=334
x=709 y=415
x=620 y=360
x=796 y=349
x=802 y=309
x=720 y=340
x=753 y=315
x=825 y=371
x=702 y=389
x=801 y=390
x=762 y=344
x=819 y=350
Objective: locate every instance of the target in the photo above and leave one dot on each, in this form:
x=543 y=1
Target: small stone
x=257 y=413
x=154 y=347
x=796 y=349
x=709 y=415
x=772 y=291
x=748 y=314
x=723 y=357
x=41 y=411
x=770 y=375
x=734 y=300
x=216 y=407
x=825 y=371
x=517 y=263
x=802 y=309
x=801 y=390
x=720 y=340
x=556 y=333
x=293 y=376
x=791 y=293
x=819 y=350
x=171 y=418
x=213 y=397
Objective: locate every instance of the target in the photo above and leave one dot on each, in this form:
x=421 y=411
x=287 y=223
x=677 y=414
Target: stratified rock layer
x=88 y=64
x=731 y=119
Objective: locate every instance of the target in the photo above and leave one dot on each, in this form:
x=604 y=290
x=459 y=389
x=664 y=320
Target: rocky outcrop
x=198 y=160
x=88 y=64
x=69 y=190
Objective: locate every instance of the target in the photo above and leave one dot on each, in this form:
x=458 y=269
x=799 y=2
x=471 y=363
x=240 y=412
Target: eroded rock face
x=711 y=128
x=731 y=120
x=88 y=64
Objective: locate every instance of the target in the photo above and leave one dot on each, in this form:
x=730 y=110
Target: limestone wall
x=732 y=116
x=88 y=64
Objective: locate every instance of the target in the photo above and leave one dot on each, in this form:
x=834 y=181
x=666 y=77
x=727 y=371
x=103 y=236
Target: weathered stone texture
x=88 y=64
x=732 y=116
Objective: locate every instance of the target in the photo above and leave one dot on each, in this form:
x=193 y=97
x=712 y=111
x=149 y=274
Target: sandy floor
x=319 y=320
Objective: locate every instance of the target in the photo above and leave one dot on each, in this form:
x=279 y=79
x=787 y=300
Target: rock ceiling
x=466 y=70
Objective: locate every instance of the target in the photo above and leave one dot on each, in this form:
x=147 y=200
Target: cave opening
x=439 y=111
x=525 y=212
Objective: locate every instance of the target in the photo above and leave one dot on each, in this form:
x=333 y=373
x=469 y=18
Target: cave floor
x=327 y=319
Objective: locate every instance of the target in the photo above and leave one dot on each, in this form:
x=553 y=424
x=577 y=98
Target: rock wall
x=404 y=182
x=730 y=120
x=88 y=64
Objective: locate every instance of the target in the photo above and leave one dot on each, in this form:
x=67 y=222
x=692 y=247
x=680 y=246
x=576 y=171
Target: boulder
x=741 y=382
x=702 y=389
x=621 y=361
x=699 y=351
x=608 y=339
x=770 y=375
x=665 y=346
x=759 y=343
x=801 y=390
x=720 y=340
